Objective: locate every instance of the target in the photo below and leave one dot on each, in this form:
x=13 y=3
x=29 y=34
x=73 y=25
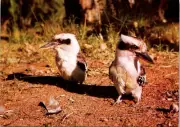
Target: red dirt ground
x=90 y=104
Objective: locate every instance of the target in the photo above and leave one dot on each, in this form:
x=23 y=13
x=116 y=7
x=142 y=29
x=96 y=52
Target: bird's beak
x=145 y=56
x=49 y=44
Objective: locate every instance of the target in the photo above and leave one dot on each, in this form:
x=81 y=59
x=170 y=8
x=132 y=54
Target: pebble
x=169 y=99
x=169 y=94
x=104 y=119
x=72 y=100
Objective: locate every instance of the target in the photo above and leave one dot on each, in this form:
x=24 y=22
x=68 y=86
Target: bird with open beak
x=69 y=60
x=126 y=72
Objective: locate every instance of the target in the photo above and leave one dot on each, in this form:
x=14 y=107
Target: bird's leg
x=137 y=94
x=120 y=91
x=118 y=99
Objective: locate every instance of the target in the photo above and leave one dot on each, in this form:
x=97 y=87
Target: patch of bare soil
x=24 y=86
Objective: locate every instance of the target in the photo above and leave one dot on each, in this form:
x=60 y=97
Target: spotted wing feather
x=141 y=80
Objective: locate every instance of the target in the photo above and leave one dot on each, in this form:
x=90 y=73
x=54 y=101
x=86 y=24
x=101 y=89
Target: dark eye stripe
x=134 y=47
x=65 y=41
x=126 y=46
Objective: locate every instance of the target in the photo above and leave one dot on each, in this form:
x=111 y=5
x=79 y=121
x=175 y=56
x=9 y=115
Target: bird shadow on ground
x=91 y=90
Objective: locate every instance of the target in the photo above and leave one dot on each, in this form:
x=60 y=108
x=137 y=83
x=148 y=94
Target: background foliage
x=26 y=13
x=22 y=20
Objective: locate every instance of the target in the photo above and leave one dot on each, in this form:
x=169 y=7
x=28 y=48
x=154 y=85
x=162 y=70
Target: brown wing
x=143 y=72
x=81 y=62
x=120 y=76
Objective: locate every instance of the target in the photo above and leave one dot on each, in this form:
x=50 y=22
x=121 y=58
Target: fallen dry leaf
x=53 y=106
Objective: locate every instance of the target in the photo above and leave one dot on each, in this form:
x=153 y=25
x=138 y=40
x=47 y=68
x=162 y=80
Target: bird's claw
x=118 y=100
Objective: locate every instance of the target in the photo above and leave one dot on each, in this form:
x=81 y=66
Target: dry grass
x=24 y=46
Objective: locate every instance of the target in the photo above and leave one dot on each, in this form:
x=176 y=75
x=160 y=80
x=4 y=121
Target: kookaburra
x=69 y=60
x=126 y=72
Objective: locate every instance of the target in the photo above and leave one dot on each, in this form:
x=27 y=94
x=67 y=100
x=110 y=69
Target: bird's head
x=135 y=46
x=63 y=41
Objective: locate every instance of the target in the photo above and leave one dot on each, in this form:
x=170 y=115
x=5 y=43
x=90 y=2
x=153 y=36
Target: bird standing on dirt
x=126 y=72
x=70 y=62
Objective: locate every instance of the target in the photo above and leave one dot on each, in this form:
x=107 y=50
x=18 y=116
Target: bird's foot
x=118 y=100
x=137 y=100
x=137 y=94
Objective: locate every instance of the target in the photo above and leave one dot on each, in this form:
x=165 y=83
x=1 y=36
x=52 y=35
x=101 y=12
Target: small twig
x=34 y=14
x=165 y=66
x=66 y=116
x=170 y=74
x=11 y=122
x=172 y=61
